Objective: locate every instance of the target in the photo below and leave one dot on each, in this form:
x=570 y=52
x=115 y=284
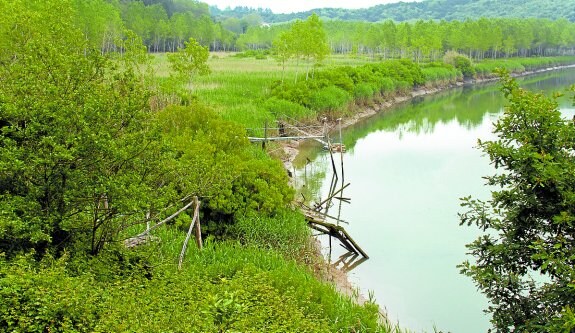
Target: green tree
x=525 y=261
x=283 y=49
x=78 y=162
x=190 y=60
x=306 y=40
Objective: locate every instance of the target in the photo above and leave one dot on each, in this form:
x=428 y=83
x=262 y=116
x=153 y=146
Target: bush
x=364 y=91
x=224 y=287
x=338 y=77
x=461 y=62
x=329 y=99
x=440 y=72
x=386 y=85
x=299 y=92
x=465 y=66
x=282 y=108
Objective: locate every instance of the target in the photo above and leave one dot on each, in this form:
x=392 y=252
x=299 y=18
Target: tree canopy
x=427 y=9
x=84 y=160
x=524 y=262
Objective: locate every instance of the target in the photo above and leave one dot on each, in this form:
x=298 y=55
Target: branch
x=167 y=219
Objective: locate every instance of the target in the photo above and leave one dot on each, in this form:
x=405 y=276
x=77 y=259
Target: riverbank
x=291 y=149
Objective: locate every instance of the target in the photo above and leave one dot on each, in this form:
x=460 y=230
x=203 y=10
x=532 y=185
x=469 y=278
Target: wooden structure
x=348 y=262
x=292 y=130
x=315 y=222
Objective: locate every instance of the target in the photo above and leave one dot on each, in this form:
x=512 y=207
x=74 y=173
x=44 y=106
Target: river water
x=407 y=168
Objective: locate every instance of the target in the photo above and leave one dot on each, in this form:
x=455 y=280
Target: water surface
x=408 y=167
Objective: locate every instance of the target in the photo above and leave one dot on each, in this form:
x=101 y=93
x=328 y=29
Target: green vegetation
x=165 y=25
x=426 y=9
x=524 y=262
x=224 y=287
x=252 y=92
x=99 y=140
x=89 y=157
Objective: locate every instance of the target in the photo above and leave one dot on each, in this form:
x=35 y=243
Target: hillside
x=429 y=9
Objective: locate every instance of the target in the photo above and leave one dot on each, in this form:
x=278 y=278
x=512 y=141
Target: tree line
x=483 y=38
x=162 y=25
x=165 y=25
x=427 y=10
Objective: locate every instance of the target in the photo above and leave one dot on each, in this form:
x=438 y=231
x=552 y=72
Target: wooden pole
x=318 y=206
x=265 y=136
x=195 y=221
x=199 y=242
x=341 y=151
x=171 y=217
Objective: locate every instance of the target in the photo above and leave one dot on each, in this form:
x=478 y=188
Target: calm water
x=407 y=169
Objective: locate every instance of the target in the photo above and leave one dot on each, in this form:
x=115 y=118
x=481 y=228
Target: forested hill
x=427 y=9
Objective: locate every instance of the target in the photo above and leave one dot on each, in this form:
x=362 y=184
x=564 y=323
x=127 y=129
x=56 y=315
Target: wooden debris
x=334 y=231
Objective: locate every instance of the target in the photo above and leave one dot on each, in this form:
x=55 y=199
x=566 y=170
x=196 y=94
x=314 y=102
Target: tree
x=305 y=40
x=283 y=49
x=78 y=159
x=190 y=60
x=525 y=261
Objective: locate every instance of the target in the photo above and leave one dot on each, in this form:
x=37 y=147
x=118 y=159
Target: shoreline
x=339 y=279
x=290 y=149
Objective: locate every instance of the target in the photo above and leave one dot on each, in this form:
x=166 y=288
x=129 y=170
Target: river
x=408 y=167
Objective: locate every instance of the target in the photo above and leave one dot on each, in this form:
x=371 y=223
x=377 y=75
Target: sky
x=290 y=6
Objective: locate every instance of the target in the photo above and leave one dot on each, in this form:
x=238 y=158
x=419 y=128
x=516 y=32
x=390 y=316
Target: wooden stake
x=198 y=226
x=189 y=235
x=318 y=206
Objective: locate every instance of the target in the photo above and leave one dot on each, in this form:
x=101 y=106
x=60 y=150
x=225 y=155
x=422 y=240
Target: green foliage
x=225 y=287
x=461 y=62
x=488 y=68
x=440 y=72
x=525 y=261
x=226 y=171
x=283 y=108
x=436 y=10
x=464 y=64
x=330 y=98
x=190 y=60
x=77 y=155
x=286 y=232
x=364 y=91
x=305 y=40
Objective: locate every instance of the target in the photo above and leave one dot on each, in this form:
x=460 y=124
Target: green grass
x=226 y=286
x=238 y=88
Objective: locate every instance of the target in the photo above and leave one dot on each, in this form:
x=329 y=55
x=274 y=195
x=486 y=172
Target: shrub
x=461 y=62
x=465 y=66
x=338 y=77
x=386 y=85
x=282 y=108
x=329 y=99
x=364 y=91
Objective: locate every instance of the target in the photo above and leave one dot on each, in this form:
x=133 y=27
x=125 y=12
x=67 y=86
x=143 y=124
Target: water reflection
x=407 y=169
x=348 y=262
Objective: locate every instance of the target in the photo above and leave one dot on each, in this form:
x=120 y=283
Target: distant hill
x=427 y=9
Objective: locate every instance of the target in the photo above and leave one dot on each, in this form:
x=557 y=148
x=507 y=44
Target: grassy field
x=238 y=87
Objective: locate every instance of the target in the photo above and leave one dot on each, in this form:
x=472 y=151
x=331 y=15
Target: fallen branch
x=168 y=219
